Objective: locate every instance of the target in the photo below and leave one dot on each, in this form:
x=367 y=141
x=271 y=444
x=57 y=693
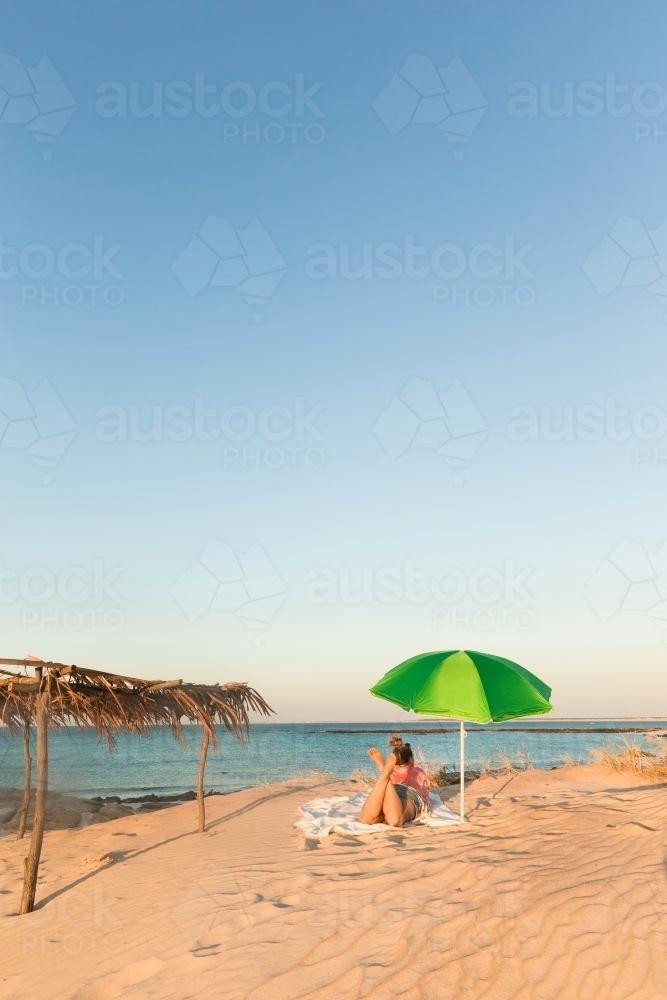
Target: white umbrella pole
x=463 y=736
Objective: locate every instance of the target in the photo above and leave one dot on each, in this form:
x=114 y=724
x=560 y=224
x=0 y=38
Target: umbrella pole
x=463 y=736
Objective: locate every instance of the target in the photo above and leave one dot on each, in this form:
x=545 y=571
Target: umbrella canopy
x=465 y=685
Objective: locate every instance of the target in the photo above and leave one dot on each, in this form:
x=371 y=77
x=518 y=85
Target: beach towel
x=340 y=814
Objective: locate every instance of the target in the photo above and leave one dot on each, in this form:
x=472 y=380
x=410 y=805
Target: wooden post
x=200 y=781
x=31 y=863
x=27 y=769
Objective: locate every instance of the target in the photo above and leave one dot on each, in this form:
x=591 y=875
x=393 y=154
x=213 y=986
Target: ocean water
x=80 y=764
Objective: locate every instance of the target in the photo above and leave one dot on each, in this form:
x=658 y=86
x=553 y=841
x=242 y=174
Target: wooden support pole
x=200 y=781
x=27 y=772
x=31 y=863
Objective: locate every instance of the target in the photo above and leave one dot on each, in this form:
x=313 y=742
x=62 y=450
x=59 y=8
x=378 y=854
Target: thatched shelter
x=59 y=694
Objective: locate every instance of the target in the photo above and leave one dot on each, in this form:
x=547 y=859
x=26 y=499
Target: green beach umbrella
x=465 y=685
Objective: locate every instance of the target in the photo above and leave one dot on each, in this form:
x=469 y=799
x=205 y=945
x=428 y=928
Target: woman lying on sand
x=400 y=794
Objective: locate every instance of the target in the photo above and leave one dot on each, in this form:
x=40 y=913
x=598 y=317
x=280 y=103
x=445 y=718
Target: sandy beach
x=554 y=889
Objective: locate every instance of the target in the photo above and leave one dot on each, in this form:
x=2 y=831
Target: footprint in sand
x=206 y=947
x=291 y=899
x=637 y=829
x=110 y=987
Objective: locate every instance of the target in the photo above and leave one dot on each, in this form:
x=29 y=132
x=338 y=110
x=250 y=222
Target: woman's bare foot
x=377 y=758
x=389 y=764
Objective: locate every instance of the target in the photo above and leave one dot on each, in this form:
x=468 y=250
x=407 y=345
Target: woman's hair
x=402 y=750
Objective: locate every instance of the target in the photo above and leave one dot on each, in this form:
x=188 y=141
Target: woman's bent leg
x=371 y=811
x=397 y=811
x=377 y=758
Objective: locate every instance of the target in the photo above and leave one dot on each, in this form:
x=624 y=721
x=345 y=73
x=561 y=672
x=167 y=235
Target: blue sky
x=539 y=242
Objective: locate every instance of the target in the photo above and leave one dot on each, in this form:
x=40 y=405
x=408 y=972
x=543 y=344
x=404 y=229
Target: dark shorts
x=407 y=794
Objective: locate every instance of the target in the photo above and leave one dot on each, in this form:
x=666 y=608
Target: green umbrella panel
x=465 y=685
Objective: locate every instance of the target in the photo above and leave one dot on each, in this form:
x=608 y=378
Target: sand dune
x=555 y=889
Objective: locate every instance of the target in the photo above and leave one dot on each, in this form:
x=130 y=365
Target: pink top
x=413 y=777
